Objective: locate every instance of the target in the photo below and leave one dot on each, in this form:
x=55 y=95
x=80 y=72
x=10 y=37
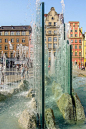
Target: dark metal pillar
x=71 y=70
x=43 y=88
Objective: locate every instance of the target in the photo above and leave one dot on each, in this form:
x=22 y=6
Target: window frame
x=54 y=45
x=75 y=40
x=12 y=40
x=49 y=45
x=23 y=40
x=6 y=40
x=6 y=33
x=75 y=53
x=0 y=40
x=75 y=46
x=12 y=33
x=18 y=40
x=75 y=35
x=49 y=23
x=49 y=39
x=0 y=47
x=23 y=33
x=6 y=47
x=54 y=39
x=17 y=32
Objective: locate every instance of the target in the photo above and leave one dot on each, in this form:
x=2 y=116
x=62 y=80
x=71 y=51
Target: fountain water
x=62 y=76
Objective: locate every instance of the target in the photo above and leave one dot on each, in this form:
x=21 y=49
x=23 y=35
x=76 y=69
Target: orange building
x=76 y=39
x=15 y=35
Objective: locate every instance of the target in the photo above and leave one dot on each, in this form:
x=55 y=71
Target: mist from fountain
x=52 y=68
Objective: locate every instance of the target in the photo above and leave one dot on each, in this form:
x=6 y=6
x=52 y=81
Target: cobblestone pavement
x=79 y=72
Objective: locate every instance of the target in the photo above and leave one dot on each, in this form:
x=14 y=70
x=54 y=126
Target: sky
x=22 y=12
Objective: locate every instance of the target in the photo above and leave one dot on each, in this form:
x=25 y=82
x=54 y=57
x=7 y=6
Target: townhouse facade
x=84 y=50
x=76 y=39
x=14 y=35
x=53 y=20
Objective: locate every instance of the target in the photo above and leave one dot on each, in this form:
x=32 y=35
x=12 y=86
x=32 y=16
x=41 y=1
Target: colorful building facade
x=84 y=50
x=16 y=35
x=53 y=20
x=76 y=39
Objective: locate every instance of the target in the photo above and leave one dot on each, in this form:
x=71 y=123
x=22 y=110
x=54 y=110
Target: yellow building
x=53 y=20
x=84 y=50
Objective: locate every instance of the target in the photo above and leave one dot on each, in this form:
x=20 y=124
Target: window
x=54 y=23
x=49 y=32
x=71 y=40
x=75 y=40
x=23 y=33
x=75 y=35
x=11 y=54
x=54 y=45
x=55 y=39
x=80 y=41
x=79 y=53
x=54 y=53
x=72 y=46
x=79 y=47
x=49 y=45
x=55 y=31
x=49 y=54
x=6 y=33
x=18 y=33
x=0 y=40
x=0 y=54
x=75 y=30
x=49 y=23
x=23 y=40
x=12 y=27
x=75 y=53
x=0 y=47
x=6 y=54
x=75 y=46
x=49 y=39
x=17 y=40
x=11 y=33
x=71 y=35
x=12 y=40
x=52 y=18
x=6 y=40
x=0 y=33
x=6 y=47
x=71 y=30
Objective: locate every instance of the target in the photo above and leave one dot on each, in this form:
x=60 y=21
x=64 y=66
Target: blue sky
x=21 y=12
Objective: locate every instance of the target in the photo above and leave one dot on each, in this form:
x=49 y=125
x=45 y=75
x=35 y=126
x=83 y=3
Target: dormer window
x=49 y=23
x=12 y=27
x=24 y=27
x=52 y=18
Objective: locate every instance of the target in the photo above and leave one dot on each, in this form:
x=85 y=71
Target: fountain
x=40 y=103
